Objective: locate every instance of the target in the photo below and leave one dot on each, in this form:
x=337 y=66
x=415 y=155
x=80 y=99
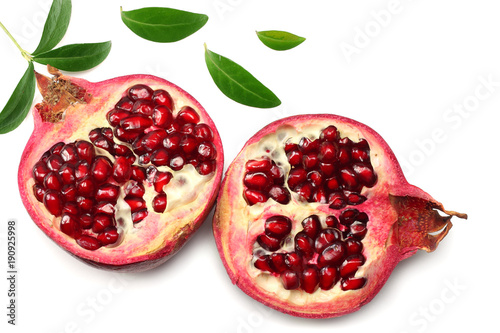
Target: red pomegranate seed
x=38 y=191
x=305 y=190
x=177 y=162
x=293 y=261
x=315 y=178
x=206 y=167
x=325 y=238
x=101 y=169
x=160 y=202
x=355 y=199
x=203 y=132
x=136 y=123
x=289 y=146
x=54 y=162
x=162 y=97
x=328 y=277
x=88 y=242
x=312 y=226
x=296 y=177
x=262 y=263
x=256 y=181
x=86 y=221
x=105 y=144
x=122 y=170
x=125 y=104
x=188 y=144
x=52 y=181
x=365 y=174
x=206 y=151
x=304 y=245
x=145 y=158
x=336 y=200
x=351 y=265
x=328 y=169
x=269 y=243
x=153 y=140
x=116 y=115
x=171 y=142
x=277 y=175
x=187 y=115
x=279 y=194
x=358 y=230
x=101 y=222
x=328 y=152
x=122 y=150
x=333 y=184
x=69 y=192
x=162 y=116
x=344 y=155
x=187 y=129
x=67 y=173
x=254 y=196
x=135 y=190
x=69 y=153
x=310 y=161
x=161 y=179
x=85 y=204
x=294 y=157
x=160 y=157
x=333 y=255
x=40 y=170
x=353 y=246
x=105 y=208
x=138 y=173
x=53 y=202
x=82 y=169
x=173 y=127
x=262 y=165
x=69 y=225
x=329 y=134
x=109 y=236
x=290 y=280
x=331 y=221
x=277 y=262
x=86 y=187
x=126 y=136
x=140 y=91
x=348 y=216
x=352 y=283
x=70 y=208
x=319 y=196
x=135 y=203
x=360 y=155
x=56 y=148
x=309 y=279
x=143 y=107
x=278 y=226
x=139 y=216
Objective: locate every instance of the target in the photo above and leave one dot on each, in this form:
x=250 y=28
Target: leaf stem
x=24 y=53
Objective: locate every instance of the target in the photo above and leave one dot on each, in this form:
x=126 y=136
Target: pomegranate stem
x=24 y=53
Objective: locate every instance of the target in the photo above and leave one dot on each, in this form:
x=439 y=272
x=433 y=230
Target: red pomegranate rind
x=159 y=235
x=398 y=217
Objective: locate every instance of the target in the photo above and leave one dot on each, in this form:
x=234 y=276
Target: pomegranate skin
x=402 y=216
x=158 y=236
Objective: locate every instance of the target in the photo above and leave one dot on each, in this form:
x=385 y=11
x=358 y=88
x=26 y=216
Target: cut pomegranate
x=325 y=243
x=100 y=177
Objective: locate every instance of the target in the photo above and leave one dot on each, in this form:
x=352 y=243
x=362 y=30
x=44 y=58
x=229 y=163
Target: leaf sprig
x=72 y=58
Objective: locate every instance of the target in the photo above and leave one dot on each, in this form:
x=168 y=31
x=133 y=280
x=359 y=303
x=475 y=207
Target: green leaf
x=19 y=103
x=279 y=40
x=55 y=26
x=237 y=83
x=75 y=57
x=163 y=25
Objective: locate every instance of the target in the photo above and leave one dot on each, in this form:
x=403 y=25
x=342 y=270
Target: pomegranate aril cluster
x=330 y=169
x=264 y=179
x=324 y=253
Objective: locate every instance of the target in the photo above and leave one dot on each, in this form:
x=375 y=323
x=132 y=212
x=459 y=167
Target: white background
x=410 y=74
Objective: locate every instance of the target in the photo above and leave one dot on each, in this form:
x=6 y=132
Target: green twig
x=25 y=54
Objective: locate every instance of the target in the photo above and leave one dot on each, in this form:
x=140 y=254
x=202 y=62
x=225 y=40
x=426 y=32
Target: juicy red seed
x=315 y=178
x=319 y=196
x=355 y=199
x=325 y=238
x=160 y=202
x=101 y=222
x=294 y=157
x=173 y=127
x=162 y=116
x=360 y=155
x=290 y=280
x=138 y=173
x=101 y=169
x=107 y=132
x=353 y=246
x=331 y=221
x=161 y=179
x=38 y=191
x=294 y=261
x=53 y=202
x=69 y=193
x=349 y=179
x=71 y=208
x=109 y=236
x=67 y=173
x=136 y=123
x=69 y=153
x=135 y=203
x=278 y=263
x=256 y=181
x=310 y=161
x=88 y=242
x=203 y=132
x=177 y=162
x=278 y=226
x=116 y=115
x=139 y=216
x=329 y=134
x=358 y=230
x=263 y=165
x=351 y=265
x=311 y=225
x=336 y=200
x=126 y=136
x=160 y=157
x=352 y=283
x=86 y=221
x=107 y=192
x=105 y=143
x=194 y=161
x=122 y=150
x=135 y=190
x=289 y=146
x=188 y=144
x=145 y=158
x=262 y=263
x=309 y=279
x=333 y=255
x=125 y=104
x=254 y=196
x=85 y=204
x=206 y=167
x=143 y=107
x=40 y=170
x=333 y=184
x=344 y=155
x=171 y=142
x=140 y=91
x=365 y=174
x=362 y=217
x=348 y=216
x=56 y=148
x=122 y=170
x=279 y=194
x=304 y=245
x=305 y=190
x=187 y=115
x=296 y=177
x=328 y=277
x=86 y=187
x=206 y=151
x=327 y=152
x=105 y=208
x=153 y=140
x=277 y=175
x=187 y=129
x=52 y=181
x=269 y=243
x=54 y=162
x=328 y=169
x=69 y=225
x=162 y=97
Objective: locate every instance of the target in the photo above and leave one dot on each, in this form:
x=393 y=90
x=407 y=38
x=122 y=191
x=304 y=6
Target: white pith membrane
x=188 y=192
x=272 y=146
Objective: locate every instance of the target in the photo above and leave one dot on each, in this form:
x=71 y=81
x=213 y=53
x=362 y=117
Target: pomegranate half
x=119 y=173
x=314 y=214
